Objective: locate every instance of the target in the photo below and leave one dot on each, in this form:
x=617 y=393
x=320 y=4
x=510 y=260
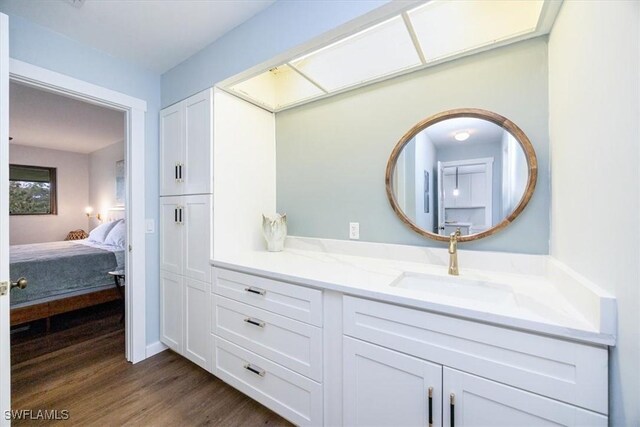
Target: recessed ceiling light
x=461 y=136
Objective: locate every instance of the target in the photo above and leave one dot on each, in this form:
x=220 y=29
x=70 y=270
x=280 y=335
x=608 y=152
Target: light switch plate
x=150 y=226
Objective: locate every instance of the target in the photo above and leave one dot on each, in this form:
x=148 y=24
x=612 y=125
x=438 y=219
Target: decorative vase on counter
x=274 y=229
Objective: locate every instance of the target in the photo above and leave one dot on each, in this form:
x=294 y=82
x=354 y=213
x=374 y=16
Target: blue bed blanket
x=55 y=268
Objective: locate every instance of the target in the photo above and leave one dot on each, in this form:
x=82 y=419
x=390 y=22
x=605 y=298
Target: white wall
x=72 y=193
x=425 y=160
x=244 y=164
x=594 y=114
x=102 y=178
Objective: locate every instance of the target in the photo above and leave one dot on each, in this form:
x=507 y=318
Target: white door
x=386 y=388
x=171 y=311
x=5 y=363
x=475 y=401
x=197 y=336
x=197 y=237
x=171 y=150
x=197 y=155
x=171 y=234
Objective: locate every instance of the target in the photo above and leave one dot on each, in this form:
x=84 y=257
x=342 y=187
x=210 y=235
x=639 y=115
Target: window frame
x=53 y=184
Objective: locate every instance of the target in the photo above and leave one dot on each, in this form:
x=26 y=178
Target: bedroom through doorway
x=68 y=228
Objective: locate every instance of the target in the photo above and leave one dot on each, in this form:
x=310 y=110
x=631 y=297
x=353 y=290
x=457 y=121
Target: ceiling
x=480 y=132
x=155 y=34
x=48 y=120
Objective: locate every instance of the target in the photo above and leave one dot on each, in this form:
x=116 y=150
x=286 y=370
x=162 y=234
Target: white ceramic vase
x=274 y=229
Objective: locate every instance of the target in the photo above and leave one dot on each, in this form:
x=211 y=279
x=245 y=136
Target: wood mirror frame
x=508 y=125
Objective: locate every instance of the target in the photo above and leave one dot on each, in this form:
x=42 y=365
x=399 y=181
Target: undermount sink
x=453 y=286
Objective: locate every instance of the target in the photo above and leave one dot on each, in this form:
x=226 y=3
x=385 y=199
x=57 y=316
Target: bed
x=63 y=276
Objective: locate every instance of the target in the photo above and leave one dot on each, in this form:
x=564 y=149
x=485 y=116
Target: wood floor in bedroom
x=91 y=379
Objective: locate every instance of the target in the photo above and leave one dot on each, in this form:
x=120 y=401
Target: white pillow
x=117 y=236
x=99 y=234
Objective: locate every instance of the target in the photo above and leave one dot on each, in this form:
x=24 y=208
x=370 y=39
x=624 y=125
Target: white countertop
x=542 y=303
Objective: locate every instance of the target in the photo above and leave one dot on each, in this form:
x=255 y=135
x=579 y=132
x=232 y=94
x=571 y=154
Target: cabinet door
x=171 y=291
x=386 y=388
x=197 y=338
x=171 y=234
x=480 y=402
x=171 y=149
x=197 y=237
x=198 y=159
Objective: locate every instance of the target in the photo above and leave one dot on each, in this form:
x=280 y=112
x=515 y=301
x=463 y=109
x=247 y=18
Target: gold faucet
x=453 y=253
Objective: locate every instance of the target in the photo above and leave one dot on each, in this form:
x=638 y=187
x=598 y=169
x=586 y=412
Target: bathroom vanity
x=326 y=337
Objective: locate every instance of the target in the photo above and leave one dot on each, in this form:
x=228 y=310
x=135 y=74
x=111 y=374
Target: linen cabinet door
x=171 y=310
x=197 y=237
x=473 y=401
x=386 y=388
x=197 y=338
x=171 y=234
x=171 y=149
x=198 y=160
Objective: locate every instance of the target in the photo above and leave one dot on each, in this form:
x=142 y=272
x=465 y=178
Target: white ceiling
x=155 y=34
x=481 y=132
x=48 y=120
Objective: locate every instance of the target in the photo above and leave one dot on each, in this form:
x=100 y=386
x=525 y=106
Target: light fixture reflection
x=462 y=136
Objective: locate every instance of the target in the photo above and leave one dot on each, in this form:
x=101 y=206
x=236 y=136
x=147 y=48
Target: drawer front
x=566 y=371
x=286 y=299
x=291 y=395
x=293 y=344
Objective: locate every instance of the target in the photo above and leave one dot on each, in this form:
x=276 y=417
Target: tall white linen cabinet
x=217 y=172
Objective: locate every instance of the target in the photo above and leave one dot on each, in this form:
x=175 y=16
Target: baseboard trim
x=155 y=348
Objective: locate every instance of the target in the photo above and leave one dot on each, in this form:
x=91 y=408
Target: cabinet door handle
x=452 y=409
x=175 y=215
x=430 y=406
x=175 y=172
x=256 y=370
x=255 y=322
x=180 y=214
x=180 y=172
x=257 y=291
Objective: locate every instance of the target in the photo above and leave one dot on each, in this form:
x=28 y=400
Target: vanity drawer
x=291 y=395
x=567 y=371
x=293 y=344
x=286 y=299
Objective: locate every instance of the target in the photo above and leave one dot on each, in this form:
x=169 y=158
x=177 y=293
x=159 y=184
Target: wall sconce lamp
x=89 y=210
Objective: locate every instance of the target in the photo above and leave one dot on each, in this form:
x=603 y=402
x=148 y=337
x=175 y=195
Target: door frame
x=488 y=164
x=134 y=109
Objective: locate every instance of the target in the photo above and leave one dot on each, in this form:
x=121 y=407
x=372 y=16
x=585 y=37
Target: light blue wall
x=280 y=27
x=39 y=46
x=332 y=153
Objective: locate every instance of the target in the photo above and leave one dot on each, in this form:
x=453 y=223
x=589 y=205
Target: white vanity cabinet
x=321 y=357
x=186 y=145
x=490 y=375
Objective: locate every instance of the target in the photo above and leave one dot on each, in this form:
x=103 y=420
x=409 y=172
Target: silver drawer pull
x=254 y=369
x=255 y=322
x=257 y=291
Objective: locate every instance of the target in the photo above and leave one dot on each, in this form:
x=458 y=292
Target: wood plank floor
x=98 y=387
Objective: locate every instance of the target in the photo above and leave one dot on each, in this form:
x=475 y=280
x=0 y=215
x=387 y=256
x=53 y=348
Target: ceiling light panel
x=447 y=28
x=376 y=52
x=278 y=88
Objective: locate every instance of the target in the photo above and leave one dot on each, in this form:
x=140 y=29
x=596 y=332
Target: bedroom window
x=32 y=190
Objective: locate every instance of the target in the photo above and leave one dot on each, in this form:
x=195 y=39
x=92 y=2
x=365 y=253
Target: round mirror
x=466 y=169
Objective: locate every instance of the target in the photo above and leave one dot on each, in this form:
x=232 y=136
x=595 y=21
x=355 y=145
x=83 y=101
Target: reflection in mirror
x=462 y=172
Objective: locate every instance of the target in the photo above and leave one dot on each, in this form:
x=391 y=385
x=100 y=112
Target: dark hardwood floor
x=90 y=378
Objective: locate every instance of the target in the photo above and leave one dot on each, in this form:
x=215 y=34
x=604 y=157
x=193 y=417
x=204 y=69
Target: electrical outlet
x=354 y=230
